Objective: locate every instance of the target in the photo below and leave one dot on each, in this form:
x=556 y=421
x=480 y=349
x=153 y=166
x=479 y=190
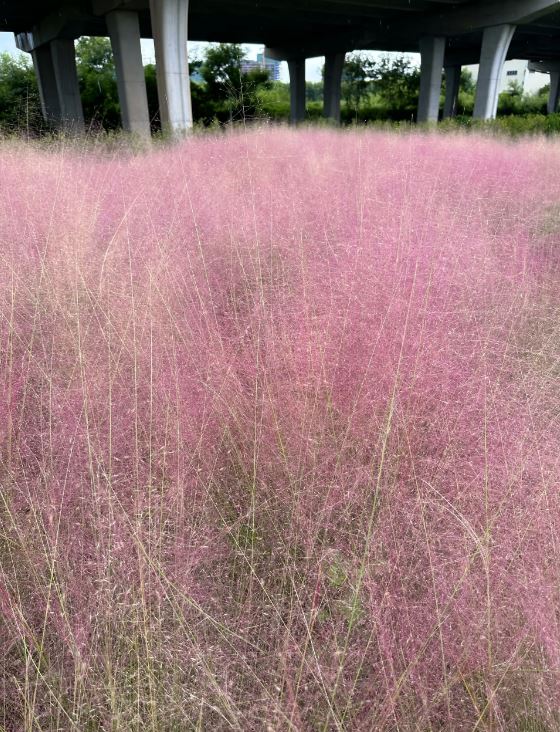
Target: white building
x=517 y=71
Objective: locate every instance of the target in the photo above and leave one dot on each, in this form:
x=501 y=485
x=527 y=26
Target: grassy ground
x=279 y=434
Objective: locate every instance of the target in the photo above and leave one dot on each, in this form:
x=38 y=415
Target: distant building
x=517 y=71
x=262 y=63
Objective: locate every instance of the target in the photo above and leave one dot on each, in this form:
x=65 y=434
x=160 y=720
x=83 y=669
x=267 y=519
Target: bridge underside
x=296 y=29
x=314 y=26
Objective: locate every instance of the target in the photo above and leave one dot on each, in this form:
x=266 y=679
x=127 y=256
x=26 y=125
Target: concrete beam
x=332 y=85
x=295 y=52
x=432 y=51
x=452 y=83
x=297 y=90
x=169 y=26
x=471 y=17
x=124 y=31
x=68 y=22
x=495 y=44
x=102 y=7
x=544 y=67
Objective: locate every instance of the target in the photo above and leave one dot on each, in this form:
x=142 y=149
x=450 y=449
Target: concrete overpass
x=447 y=33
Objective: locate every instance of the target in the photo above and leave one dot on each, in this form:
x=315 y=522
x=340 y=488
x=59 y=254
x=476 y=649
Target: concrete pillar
x=169 y=28
x=124 y=30
x=46 y=81
x=64 y=64
x=452 y=82
x=297 y=90
x=55 y=65
x=432 y=50
x=554 y=95
x=332 y=85
x=495 y=45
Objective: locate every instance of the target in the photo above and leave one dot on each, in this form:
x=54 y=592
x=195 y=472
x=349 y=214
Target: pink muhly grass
x=279 y=434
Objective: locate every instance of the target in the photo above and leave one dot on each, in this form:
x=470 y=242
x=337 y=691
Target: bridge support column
x=554 y=94
x=55 y=66
x=332 y=87
x=46 y=81
x=432 y=50
x=169 y=27
x=124 y=30
x=452 y=82
x=495 y=45
x=297 y=90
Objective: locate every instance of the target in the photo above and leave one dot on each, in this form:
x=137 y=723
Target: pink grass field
x=279 y=434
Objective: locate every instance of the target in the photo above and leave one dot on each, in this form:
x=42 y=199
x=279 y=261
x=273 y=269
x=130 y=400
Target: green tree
x=152 y=93
x=397 y=82
x=467 y=83
x=229 y=92
x=356 y=76
x=98 y=82
x=274 y=100
x=221 y=70
x=511 y=100
x=314 y=91
x=20 y=106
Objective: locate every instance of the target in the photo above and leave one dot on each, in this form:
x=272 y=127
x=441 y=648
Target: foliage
x=230 y=94
x=20 y=106
x=152 y=94
x=514 y=101
x=467 y=83
x=313 y=91
x=357 y=72
x=98 y=82
x=514 y=125
x=221 y=70
x=274 y=100
x=397 y=82
x=372 y=90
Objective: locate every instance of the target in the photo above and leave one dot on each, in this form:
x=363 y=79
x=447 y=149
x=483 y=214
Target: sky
x=7 y=42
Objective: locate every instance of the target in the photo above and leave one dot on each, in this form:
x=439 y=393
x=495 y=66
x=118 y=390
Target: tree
x=314 y=90
x=467 y=84
x=397 y=82
x=511 y=100
x=20 y=106
x=98 y=82
x=221 y=70
x=231 y=93
x=152 y=94
x=356 y=77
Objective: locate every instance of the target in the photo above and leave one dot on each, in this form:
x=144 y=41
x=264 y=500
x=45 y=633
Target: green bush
x=20 y=106
x=513 y=125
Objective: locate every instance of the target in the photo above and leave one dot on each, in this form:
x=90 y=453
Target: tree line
x=372 y=89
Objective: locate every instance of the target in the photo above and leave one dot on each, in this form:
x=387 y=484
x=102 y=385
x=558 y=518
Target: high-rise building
x=262 y=63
